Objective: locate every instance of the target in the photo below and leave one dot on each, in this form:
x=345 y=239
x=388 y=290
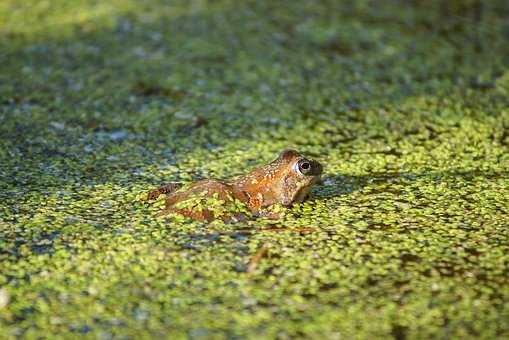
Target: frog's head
x=297 y=174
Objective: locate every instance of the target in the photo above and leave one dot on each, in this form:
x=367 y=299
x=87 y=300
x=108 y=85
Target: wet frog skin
x=286 y=180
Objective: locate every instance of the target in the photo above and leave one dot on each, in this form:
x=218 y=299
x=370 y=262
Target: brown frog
x=286 y=180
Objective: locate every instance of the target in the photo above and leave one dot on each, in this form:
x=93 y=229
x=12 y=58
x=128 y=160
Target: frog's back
x=207 y=188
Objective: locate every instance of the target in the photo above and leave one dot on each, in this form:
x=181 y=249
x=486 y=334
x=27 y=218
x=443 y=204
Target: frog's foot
x=230 y=219
x=271 y=215
x=203 y=215
x=197 y=215
x=165 y=189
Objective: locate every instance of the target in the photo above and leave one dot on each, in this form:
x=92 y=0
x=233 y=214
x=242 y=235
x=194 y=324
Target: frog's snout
x=316 y=168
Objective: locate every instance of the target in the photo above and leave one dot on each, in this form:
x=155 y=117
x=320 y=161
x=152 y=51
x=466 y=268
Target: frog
x=286 y=180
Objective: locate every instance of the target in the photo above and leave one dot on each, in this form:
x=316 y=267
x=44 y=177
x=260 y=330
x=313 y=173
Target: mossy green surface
x=407 y=107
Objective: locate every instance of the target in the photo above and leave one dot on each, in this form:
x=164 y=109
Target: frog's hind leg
x=171 y=199
x=170 y=208
x=165 y=189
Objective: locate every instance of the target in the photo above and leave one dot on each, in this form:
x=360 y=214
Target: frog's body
x=286 y=180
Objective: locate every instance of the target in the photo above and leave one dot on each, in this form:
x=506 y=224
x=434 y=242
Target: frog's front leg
x=165 y=189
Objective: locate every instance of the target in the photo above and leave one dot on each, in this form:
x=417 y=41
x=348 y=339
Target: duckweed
x=405 y=103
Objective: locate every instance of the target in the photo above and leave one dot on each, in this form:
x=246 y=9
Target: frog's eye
x=303 y=166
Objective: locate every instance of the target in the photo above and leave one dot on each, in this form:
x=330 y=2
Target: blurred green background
x=406 y=103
